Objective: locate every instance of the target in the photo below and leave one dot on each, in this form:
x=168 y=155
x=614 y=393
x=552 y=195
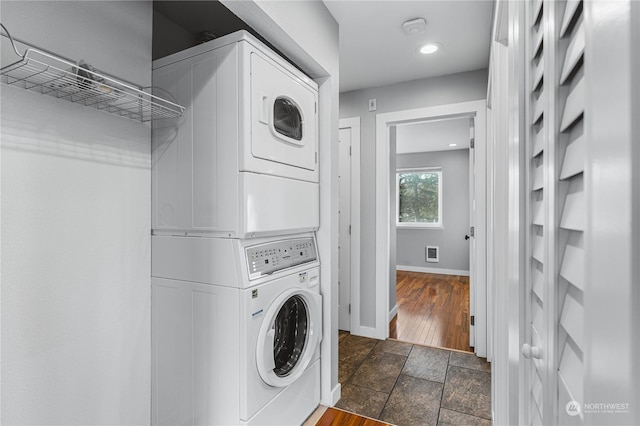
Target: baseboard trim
x=432 y=270
x=393 y=313
x=336 y=393
x=368 y=332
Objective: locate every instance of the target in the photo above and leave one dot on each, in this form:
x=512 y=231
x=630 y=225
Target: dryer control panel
x=265 y=259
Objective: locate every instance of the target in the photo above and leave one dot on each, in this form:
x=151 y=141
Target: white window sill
x=421 y=227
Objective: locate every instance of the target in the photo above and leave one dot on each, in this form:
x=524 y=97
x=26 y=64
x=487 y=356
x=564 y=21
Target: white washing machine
x=236 y=338
x=244 y=156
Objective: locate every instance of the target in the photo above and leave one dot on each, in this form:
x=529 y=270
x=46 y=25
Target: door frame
x=472 y=240
x=354 y=124
x=384 y=123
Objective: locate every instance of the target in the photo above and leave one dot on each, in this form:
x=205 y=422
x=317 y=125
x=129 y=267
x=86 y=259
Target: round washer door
x=289 y=336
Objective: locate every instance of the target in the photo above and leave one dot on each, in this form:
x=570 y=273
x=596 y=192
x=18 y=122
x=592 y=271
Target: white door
x=283 y=116
x=471 y=232
x=344 y=241
x=554 y=317
x=577 y=89
x=581 y=326
x=538 y=300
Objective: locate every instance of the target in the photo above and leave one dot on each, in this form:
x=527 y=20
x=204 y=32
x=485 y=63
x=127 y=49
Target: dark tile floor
x=405 y=384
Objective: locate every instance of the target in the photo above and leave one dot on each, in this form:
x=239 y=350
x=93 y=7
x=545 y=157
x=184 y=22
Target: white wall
x=454 y=249
x=434 y=135
x=75 y=228
x=448 y=89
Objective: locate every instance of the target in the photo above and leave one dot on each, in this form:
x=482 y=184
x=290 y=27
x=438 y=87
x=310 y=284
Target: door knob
x=466 y=237
x=531 y=351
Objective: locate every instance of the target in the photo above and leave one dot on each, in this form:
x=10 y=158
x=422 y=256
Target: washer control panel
x=264 y=259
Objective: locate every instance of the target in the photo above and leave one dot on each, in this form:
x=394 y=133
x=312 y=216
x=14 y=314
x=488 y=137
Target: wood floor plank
x=433 y=310
x=334 y=416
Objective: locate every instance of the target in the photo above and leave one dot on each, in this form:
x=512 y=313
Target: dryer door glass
x=291 y=327
x=283 y=122
x=287 y=119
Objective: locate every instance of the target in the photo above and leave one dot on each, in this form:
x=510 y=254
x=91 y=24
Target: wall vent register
x=265 y=259
x=432 y=254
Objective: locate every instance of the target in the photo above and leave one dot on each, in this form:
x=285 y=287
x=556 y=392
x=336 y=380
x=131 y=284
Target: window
x=419 y=197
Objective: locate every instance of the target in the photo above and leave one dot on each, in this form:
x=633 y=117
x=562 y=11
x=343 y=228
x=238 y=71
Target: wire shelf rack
x=49 y=74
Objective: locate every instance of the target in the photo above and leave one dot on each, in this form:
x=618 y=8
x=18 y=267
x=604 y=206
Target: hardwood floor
x=335 y=416
x=433 y=310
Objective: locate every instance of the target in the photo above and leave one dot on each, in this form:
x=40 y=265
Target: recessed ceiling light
x=428 y=48
x=453 y=144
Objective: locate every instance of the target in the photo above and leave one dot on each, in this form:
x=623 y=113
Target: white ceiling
x=375 y=51
x=432 y=136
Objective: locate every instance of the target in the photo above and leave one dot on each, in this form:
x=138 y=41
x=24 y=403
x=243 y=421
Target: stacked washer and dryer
x=236 y=304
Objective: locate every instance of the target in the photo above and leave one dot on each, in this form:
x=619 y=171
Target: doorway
x=433 y=193
x=433 y=310
x=386 y=129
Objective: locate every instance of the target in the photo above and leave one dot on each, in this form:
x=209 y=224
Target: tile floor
x=405 y=384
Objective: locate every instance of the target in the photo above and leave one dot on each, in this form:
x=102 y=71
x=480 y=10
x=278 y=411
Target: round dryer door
x=287 y=118
x=289 y=336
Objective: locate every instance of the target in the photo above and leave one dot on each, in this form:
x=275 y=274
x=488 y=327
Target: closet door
x=612 y=230
x=553 y=348
x=571 y=211
x=537 y=153
x=582 y=98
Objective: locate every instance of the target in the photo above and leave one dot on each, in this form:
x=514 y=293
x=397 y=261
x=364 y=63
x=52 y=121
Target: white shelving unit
x=49 y=74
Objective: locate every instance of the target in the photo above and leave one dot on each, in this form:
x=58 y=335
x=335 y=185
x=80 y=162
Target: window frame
x=420 y=225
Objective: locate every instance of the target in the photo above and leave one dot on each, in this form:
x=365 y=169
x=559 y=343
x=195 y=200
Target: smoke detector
x=414 y=26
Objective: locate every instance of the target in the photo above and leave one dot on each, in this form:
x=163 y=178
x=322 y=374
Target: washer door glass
x=287 y=119
x=290 y=335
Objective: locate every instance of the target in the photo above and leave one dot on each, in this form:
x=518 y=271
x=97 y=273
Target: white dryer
x=244 y=156
x=244 y=350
